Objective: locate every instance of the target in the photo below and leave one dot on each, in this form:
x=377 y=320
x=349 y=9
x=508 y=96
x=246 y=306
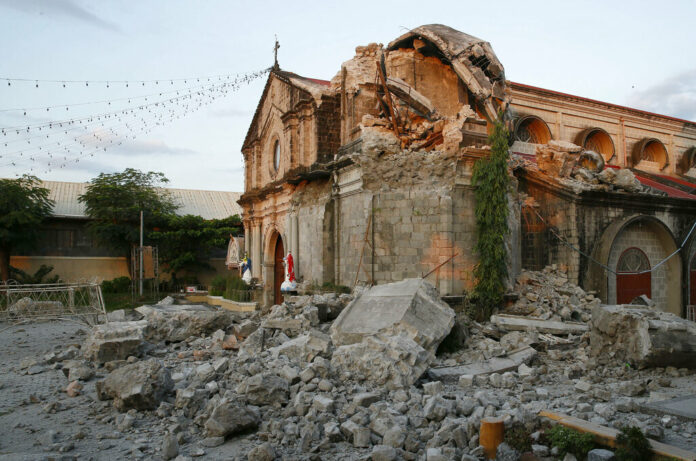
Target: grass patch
x=115 y=301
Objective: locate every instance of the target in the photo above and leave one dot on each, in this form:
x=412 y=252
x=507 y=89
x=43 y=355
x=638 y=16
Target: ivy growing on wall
x=490 y=179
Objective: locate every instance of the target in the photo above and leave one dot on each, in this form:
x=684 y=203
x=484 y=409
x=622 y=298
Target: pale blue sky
x=637 y=53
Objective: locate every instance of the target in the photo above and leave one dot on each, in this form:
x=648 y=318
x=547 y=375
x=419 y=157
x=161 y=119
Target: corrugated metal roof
x=208 y=204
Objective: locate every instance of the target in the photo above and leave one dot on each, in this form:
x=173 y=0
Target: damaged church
x=367 y=178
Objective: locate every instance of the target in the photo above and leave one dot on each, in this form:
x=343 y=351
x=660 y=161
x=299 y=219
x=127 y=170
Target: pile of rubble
x=581 y=169
x=357 y=377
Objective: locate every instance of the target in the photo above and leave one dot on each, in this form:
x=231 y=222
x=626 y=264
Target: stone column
x=257 y=259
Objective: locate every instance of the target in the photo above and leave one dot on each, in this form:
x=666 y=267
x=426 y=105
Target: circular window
x=276 y=155
x=533 y=130
x=633 y=260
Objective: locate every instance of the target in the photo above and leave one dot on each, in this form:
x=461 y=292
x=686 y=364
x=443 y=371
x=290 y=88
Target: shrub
x=217 y=285
x=632 y=445
x=571 y=441
x=117 y=285
x=234 y=287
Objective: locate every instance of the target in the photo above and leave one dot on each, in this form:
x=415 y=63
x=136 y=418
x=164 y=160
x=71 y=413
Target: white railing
x=79 y=301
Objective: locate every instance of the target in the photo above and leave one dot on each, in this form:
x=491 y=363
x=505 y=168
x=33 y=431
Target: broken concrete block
x=175 y=323
x=642 y=337
x=304 y=347
x=230 y=417
x=115 y=341
x=494 y=365
x=140 y=385
x=391 y=361
x=265 y=389
x=389 y=333
x=515 y=323
x=412 y=306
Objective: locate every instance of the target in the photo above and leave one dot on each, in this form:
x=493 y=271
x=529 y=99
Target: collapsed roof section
x=471 y=58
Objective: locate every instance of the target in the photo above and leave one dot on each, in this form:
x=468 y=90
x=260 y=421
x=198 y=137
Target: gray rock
x=115 y=341
x=394 y=437
x=141 y=385
x=230 y=418
x=170 y=446
x=175 y=323
x=383 y=453
x=506 y=453
x=365 y=399
x=263 y=452
x=304 y=347
x=265 y=389
x=599 y=454
x=211 y=442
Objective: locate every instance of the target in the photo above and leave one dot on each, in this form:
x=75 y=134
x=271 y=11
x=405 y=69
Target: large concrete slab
x=412 y=306
x=684 y=407
x=493 y=365
x=516 y=323
x=643 y=337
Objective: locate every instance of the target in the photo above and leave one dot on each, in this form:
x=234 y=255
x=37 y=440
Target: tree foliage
x=24 y=205
x=186 y=242
x=114 y=201
x=490 y=178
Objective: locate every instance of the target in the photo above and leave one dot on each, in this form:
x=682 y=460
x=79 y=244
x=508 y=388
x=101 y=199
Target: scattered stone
x=141 y=385
x=229 y=418
x=600 y=454
x=74 y=389
x=263 y=452
x=115 y=341
x=170 y=446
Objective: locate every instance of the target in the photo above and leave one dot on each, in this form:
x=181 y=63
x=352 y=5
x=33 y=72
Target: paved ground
x=40 y=422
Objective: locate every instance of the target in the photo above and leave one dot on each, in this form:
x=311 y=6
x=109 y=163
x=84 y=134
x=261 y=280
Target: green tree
x=24 y=204
x=114 y=202
x=185 y=243
x=490 y=178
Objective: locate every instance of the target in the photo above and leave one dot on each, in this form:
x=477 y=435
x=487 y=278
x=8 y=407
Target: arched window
x=631 y=282
x=276 y=155
x=650 y=150
x=597 y=140
x=532 y=129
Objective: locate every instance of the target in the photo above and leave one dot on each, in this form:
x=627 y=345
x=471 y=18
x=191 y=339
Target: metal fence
x=78 y=301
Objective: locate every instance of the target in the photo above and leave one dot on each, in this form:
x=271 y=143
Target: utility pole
x=140 y=282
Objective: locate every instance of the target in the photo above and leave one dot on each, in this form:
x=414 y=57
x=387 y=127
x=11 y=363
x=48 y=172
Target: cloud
x=66 y=8
x=675 y=96
x=154 y=147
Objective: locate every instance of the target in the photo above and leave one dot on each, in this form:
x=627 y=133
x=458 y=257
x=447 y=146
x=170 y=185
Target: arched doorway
x=278 y=270
x=631 y=280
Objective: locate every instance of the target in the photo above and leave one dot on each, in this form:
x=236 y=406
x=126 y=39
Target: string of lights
x=159 y=112
x=98 y=119
x=18 y=128
x=126 y=83
x=102 y=101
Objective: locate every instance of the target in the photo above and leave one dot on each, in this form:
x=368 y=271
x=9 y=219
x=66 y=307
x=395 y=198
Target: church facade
x=367 y=178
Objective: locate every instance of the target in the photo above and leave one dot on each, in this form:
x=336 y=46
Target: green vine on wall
x=490 y=180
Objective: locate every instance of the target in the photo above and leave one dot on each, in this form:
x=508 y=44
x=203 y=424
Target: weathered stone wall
x=656 y=225
x=567 y=116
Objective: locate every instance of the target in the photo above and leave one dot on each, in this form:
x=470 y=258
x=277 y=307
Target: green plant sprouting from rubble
x=570 y=441
x=490 y=178
x=632 y=445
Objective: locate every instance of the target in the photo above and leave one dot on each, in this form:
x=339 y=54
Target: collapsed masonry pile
x=548 y=295
x=580 y=169
x=332 y=377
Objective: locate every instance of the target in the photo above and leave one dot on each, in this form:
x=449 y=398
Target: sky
x=70 y=52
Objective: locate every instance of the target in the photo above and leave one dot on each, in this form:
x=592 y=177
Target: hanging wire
x=109 y=82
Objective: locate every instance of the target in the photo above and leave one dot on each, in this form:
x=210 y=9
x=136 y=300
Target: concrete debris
x=304 y=383
x=140 y=385
x=511 y=361
x=515 y=323
x=115 y=341
x=176 y=323
x=642 y=337
x=572 y=165
x=390 y=332
x=412 y=307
